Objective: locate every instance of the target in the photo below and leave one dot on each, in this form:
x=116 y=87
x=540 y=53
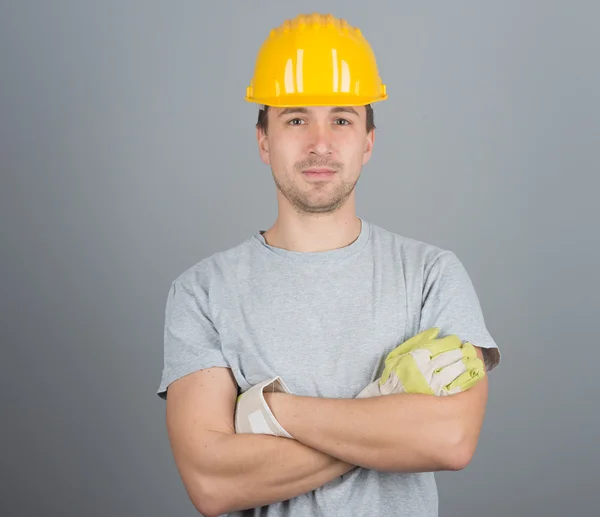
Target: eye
x=295 y=121
x=342 y=121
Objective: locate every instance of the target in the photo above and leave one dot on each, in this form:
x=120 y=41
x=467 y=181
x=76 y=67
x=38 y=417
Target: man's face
x=316 y=154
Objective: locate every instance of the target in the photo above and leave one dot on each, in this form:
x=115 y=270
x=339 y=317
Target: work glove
x=429 y=365
x=252 y=413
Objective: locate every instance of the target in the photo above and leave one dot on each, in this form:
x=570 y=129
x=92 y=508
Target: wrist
x=276 y=402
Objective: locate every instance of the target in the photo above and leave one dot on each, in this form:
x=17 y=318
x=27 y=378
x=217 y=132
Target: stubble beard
x=313 y=199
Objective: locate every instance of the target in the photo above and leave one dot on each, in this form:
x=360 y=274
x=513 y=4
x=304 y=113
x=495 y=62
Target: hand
x=252 y=413
x=429 y=365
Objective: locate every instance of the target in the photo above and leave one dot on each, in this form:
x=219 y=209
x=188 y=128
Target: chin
x=323 y=207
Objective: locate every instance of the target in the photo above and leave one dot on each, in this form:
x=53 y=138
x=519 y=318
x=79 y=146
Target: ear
x=263 y=146
x=369 y=143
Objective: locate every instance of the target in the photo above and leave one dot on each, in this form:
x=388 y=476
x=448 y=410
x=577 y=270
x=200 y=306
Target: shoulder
x=413 y=252
x=218 y=266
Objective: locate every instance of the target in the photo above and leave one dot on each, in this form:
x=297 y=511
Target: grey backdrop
x=127 y=154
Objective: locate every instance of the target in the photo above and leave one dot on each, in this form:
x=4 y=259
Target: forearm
x=401 y=433
x=247 y=471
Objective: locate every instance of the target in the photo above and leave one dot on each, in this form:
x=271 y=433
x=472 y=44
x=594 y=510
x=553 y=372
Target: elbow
x=459 y=452
x=206 y=506
x=458 y=459
x=207 y=500
x=207 y=511
x=209 y=508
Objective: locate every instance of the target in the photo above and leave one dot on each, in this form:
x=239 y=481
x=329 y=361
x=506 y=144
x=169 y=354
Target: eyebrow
x=337 y=109
x=287 y=111
x=344 y=109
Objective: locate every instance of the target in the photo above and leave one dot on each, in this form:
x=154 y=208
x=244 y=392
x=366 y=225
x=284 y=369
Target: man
x=311 y=309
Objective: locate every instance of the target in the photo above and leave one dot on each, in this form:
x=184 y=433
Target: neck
x=309 y=233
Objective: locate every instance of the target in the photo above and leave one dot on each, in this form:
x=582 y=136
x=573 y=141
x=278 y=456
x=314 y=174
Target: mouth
x=319 y=172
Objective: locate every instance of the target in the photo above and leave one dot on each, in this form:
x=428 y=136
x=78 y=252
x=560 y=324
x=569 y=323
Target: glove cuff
x=371 y=390
x=253 y=414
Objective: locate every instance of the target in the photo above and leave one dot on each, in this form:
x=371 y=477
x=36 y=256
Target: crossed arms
x=224 y=472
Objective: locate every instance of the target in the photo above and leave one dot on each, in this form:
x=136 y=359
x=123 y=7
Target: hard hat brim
x=298 y=101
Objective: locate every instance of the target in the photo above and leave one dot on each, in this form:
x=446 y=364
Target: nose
x=320 y=141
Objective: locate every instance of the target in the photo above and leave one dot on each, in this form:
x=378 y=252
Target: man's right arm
x=223 y=471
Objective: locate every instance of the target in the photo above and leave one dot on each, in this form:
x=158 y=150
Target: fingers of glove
x=474 y=372
x=469 y=351
x=475 y=366
x=414 y=342
x=446 y=358
x=446 y=376
x=445 y=391
x=451 y=351
x=430 y=357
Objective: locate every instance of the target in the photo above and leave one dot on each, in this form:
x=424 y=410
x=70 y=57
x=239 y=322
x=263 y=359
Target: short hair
x=262 y=122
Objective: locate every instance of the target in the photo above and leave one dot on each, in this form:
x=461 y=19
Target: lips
x=318 y=172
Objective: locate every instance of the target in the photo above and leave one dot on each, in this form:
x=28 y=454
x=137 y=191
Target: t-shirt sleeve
x=191 y=341
x=451 y=304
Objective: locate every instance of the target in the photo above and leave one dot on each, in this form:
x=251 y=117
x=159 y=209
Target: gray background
x=127 y=154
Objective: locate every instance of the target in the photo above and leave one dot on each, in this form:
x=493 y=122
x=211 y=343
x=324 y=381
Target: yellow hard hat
x=315 y=60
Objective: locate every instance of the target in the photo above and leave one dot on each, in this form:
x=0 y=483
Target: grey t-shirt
x=324 y=322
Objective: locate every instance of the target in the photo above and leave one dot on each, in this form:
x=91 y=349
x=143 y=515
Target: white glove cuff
x=372 y=390
x=253 y=414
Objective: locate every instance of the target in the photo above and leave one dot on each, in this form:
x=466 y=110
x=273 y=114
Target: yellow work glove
x=429 y=365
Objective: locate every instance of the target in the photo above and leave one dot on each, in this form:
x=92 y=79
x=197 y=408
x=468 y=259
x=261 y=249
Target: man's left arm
x=407 y=432
x=392 y=433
